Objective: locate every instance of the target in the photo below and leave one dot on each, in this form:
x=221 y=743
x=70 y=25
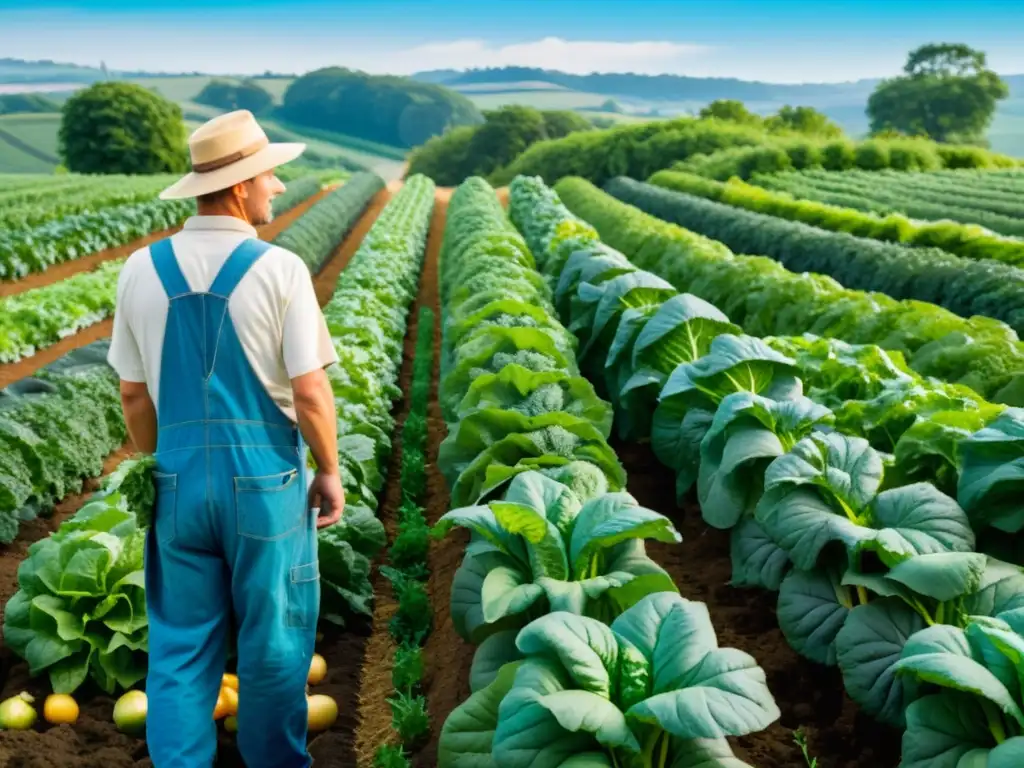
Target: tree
x=804 y=120
x=117 y=127
x=946 y=93
x=506 y=133
x=731 y=110
x=230 y=96
x=562 y=122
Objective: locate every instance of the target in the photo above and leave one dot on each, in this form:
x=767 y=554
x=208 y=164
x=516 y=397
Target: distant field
x=563 y=99
x=28 y=143
x=525 y=85
x=175 y=88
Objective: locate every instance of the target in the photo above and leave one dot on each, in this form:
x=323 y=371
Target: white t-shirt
x=274 y=309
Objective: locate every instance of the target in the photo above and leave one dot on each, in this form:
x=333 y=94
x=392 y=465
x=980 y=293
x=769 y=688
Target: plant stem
x=995 y=721
x=862 y=595
x=663 y=757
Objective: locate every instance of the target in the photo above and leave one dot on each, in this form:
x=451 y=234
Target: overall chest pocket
x=269 y=507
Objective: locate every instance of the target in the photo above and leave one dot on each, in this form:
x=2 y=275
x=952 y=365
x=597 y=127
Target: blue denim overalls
x=232 y=538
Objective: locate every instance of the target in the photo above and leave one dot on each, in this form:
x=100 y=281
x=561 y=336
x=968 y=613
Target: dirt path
x=326 y=278
x=12 y=372
x=808 y=694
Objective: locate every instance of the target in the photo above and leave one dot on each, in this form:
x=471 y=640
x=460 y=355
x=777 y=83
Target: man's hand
x=327 y=493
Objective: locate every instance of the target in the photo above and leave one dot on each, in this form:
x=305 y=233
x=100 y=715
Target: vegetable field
x=681 y=474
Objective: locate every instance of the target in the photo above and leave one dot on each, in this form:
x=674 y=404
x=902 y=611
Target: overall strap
x=238 y=263
x=167 y=269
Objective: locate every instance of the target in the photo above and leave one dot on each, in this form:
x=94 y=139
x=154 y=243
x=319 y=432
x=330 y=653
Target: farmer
x=220 y=346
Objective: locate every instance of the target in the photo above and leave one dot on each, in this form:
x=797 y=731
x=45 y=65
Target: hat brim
x=196 y=184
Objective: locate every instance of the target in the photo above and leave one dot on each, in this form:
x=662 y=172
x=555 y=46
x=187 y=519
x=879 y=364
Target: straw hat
x=228 y=150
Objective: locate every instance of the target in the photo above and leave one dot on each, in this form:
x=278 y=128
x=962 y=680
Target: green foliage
x=26 y=103
x=478 y=150
x=119 y=127
x=56 y=428
x=297 y=191
x=412 y=622
x=407 y=670
x=652 y=689
x=367 y=319
x=946 y=93
x=730 y=109
x=409 y=550
x=966 y=287
x=322 y=228
x=80 y=608
x=390 y=756
x=23 y=251
x=803 y=120
x=961 y=240
x=388 y=109
x=968 y=196
x=229 y=96
x=409 y=718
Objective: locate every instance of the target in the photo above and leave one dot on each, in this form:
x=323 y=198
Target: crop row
x=296 y=192
x=40 y=317
x=40 y=203
x=837 y=191
x=766 y=299
x=883 y=576
x=56 y=428
x=888 y=185
x=35 y=249
x=966 y=287
x=75 y=626
x=367 y=318
x=959 y=239
x=584 y=646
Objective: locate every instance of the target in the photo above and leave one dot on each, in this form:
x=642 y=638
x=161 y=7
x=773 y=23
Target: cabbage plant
x=652 y=690
x=542 y=548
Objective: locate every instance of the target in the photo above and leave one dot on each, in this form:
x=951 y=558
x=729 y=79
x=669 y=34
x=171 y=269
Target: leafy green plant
x=411 y=623
x=345 y=551
x=407 y=671
x=978 y=713
x=801 y=741
x=541 y=549
x=409 y=718
x=651 y=690
x=80 y=610
x=390 y=756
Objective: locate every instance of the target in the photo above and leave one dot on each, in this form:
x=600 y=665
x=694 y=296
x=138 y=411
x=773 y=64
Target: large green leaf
x=636 y=289
x=491 y=656
x=917 y=519
x=534 y=392
x=609 y=520
x=681 y=331
x=703 y=753
x=757 y=561
x=551 y=499
x=992 y=473
x=812 y=607
x=942 y=729
x=544 y=543
x=588 y=650
x=867 y=648
x=507 y=591
x=747 y=433
x=468 y=732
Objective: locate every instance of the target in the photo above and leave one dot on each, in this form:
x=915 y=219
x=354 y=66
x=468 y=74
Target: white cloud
x=574 y=56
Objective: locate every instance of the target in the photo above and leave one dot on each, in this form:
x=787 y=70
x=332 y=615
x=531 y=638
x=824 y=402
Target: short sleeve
x=306 y=341
x=124 y=354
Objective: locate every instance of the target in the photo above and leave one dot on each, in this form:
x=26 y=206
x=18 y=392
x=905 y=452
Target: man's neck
x=223 y=210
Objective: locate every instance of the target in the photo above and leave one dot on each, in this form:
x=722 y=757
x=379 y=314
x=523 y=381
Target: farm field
x=734 y=469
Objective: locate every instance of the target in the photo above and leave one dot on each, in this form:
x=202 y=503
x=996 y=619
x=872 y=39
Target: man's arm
x=139 y=415
x=318 y=422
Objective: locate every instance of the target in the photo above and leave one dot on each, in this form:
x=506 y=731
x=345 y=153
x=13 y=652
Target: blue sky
x=773 y=40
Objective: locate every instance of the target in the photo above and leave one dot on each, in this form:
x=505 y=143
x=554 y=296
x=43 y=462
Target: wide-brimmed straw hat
x=228 y=150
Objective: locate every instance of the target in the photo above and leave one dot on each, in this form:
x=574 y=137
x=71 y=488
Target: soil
x=12 y=372
x=809 y=695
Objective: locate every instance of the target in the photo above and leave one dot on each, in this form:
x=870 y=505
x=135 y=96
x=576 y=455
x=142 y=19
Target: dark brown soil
x=810 y=696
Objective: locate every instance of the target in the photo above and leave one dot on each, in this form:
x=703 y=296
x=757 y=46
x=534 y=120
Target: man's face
x=261 y=192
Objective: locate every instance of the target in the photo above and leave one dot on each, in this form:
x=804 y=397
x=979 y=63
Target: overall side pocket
x=269 y=507
x=304 y=595
x=165 y=508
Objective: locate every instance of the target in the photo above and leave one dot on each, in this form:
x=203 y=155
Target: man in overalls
x=221 y=347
